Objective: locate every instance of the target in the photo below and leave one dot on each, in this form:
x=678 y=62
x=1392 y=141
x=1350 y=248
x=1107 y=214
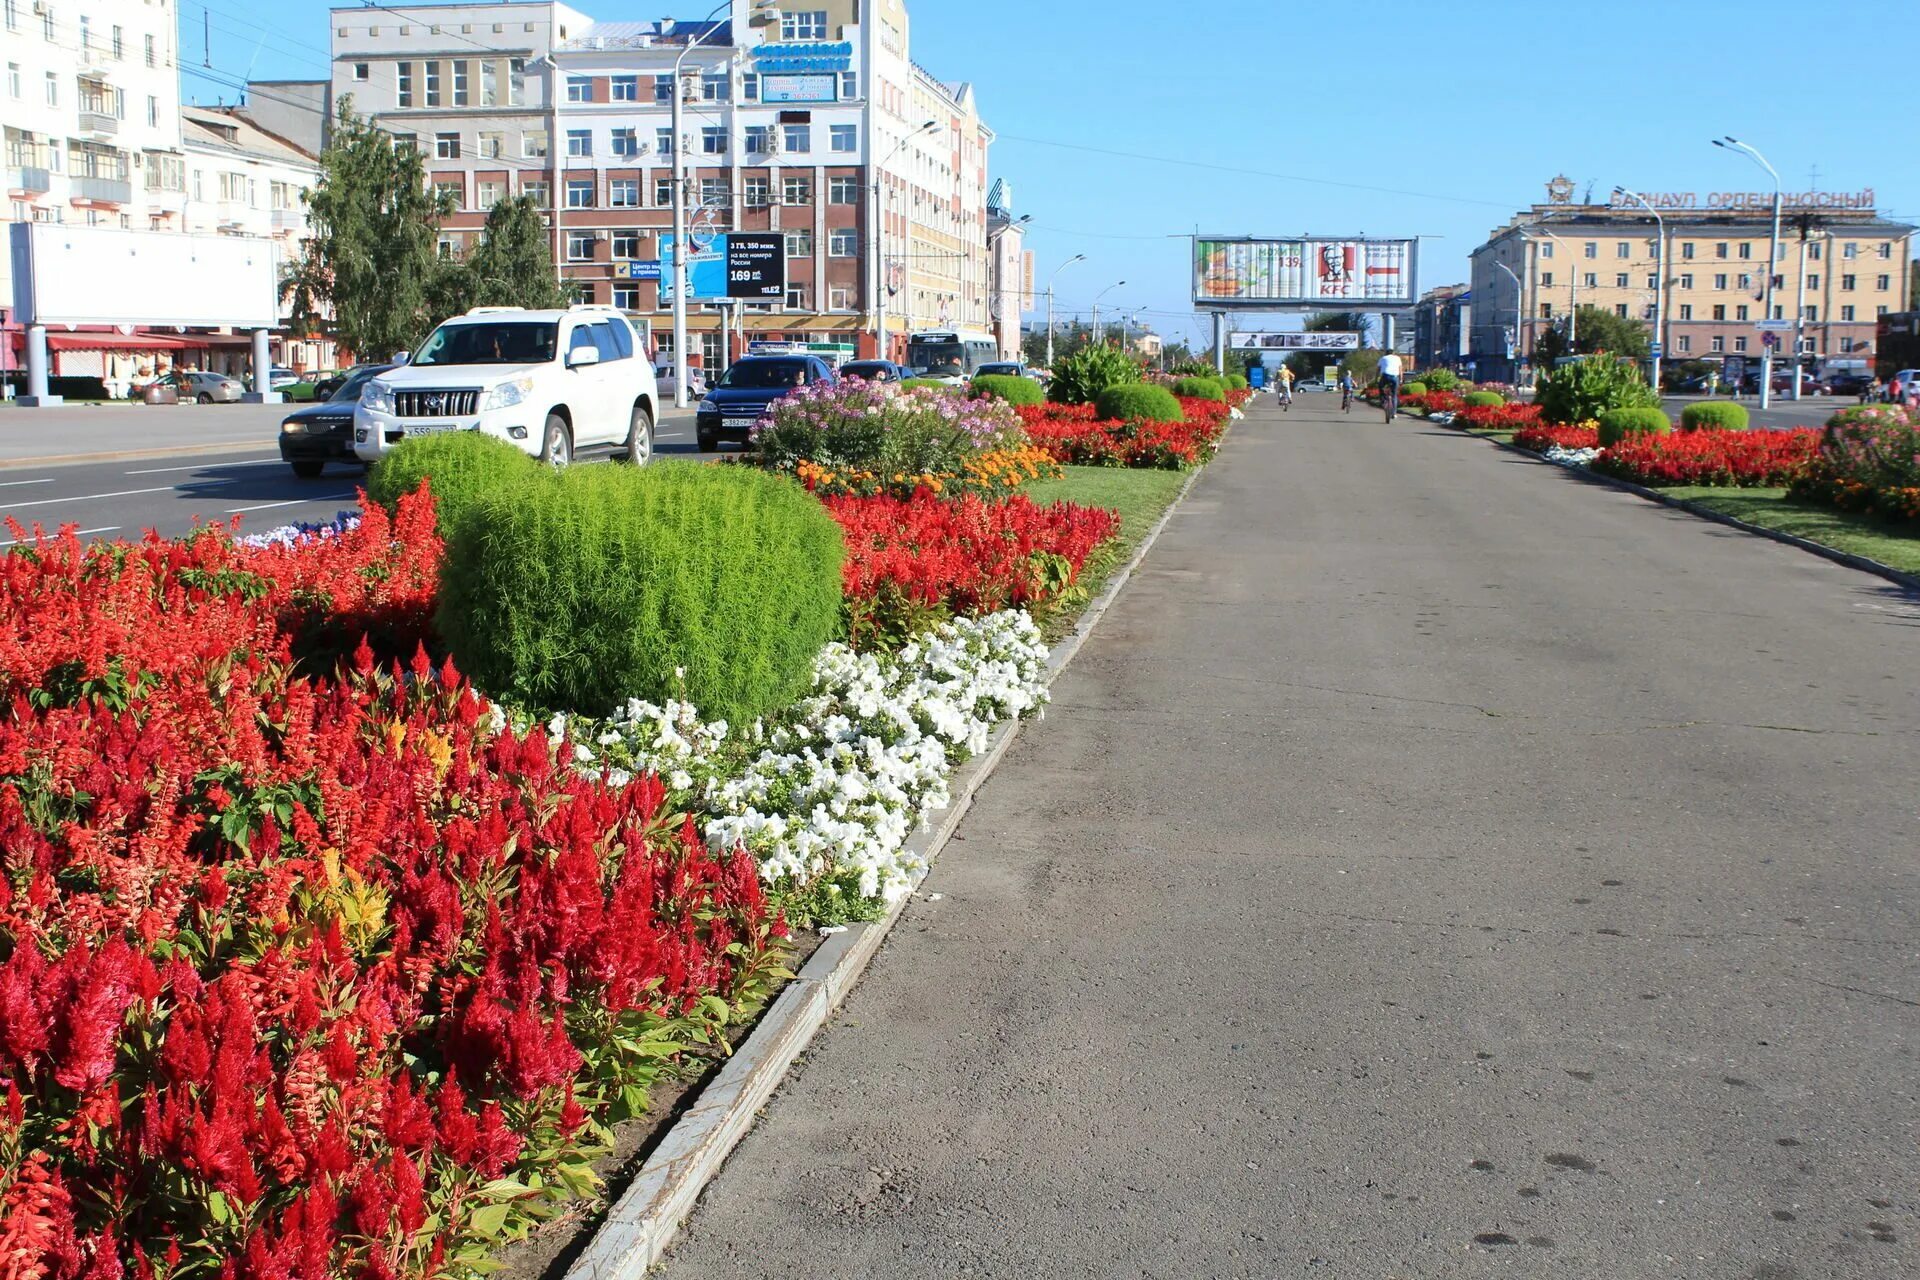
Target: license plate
x=427 y=428
x=740 y=424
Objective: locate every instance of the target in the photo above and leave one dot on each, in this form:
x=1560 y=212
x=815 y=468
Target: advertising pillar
x=37 y=396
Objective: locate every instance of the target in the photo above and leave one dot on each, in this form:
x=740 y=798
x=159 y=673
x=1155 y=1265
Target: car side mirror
x=580 y=357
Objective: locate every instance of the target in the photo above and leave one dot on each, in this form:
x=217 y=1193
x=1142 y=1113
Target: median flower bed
x=1869 y=462
x=1075 y=435
x=1539 y=437
x=1743 y=459
x=1510 y=416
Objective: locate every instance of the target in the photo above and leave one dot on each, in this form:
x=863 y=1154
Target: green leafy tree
x=371 y=274
x=512 y=266
x=1602 y=330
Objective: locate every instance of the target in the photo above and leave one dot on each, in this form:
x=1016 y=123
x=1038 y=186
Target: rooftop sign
x=1743 y=200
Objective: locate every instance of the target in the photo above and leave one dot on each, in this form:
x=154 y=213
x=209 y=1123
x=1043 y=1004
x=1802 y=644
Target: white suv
x=559 y=384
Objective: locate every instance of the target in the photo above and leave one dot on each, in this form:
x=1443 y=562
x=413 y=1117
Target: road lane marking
x=105 y=528
x=91 y=497
x=205 y=466
x=291 y=502
x=8 y=484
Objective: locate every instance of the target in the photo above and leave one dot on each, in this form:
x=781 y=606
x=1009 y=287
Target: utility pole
x=1731 y=143
x=1078 y=257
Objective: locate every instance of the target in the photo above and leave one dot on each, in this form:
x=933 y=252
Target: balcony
x=97 y=123
x=102 y=190
x=289 y=219
x=29 y=181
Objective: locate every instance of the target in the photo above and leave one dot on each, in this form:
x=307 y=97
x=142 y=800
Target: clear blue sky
x=1457 y=114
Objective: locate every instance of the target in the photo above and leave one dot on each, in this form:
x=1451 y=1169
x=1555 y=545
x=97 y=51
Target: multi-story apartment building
x=1840 y=266
x=815 y=126
x=1442 y=321
x=1009 y=269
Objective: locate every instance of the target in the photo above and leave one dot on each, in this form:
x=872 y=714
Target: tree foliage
x=512 y=266
x=1602 y=330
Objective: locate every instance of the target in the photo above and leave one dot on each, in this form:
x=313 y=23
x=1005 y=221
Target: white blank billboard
x=109 y=275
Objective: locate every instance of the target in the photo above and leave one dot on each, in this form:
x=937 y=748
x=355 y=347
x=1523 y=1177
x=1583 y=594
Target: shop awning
x=119 y=342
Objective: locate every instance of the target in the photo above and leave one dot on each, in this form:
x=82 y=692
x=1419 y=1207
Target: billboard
x=796 y=87
x=109 y=275
x=757 y=266
x=1323 y=341
x=1306 y=272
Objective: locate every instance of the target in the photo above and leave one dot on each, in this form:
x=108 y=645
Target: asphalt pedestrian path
x=1433 y=866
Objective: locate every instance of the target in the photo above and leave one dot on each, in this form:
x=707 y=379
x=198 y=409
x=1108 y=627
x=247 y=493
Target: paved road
x=1434 y=866
x=126 y=497
x=1813 y=411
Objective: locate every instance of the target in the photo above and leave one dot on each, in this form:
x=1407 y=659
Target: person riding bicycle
x=1286 y=386
x=1390 y=384
x=1346 y=391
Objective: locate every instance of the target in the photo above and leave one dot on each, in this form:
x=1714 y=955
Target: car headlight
x=378 y=397
x=707 y=406
x=508 y=394
x=293 y=427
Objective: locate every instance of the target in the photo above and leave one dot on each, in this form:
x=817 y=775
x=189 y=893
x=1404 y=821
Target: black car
x=323 y=389
x=747 y=389
x=874 y=370
x=316 y=434
x=1850 y=384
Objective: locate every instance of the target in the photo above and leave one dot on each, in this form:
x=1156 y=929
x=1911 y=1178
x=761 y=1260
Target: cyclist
x=1390 y=384
x=1346 y=391
x=1286 y=386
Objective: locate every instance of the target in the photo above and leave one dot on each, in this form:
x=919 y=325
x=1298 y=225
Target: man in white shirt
x=1390 y=369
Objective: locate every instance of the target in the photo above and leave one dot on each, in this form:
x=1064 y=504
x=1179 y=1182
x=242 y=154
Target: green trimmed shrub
x=1617 y=424
x=935 y=383
x=1441 y=380
x=1236 y=382
x=1714 y=415
x=1414 y=389
x=1009 y=387
x=1200 y=388
x=1080 y=377
x=1589 y=387
x=1139 y=401
x=606 y=583
x=1485 y=399
x=463 y=466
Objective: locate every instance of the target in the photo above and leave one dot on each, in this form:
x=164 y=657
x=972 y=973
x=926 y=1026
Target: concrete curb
x=1865 y=564
x=127 y=455
x=642 y=1224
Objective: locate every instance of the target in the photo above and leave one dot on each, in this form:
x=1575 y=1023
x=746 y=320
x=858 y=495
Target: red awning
x=118 y=342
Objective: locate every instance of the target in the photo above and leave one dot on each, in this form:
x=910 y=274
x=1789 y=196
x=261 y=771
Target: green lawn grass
x=1139 y=496
x=1858 y=535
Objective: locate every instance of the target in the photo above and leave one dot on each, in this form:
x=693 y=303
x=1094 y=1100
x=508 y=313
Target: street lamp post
x=764 y=12
x=1660 y=282
x=1096 y=307
x=882 y=349
x=1519 y=314
x=1078 y=257
x=1573 y=290
x=1773 y=259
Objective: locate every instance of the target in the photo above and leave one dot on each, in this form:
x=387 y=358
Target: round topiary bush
x=717 y=584
x=1414 y=389
x=1485 y=399
x=462 y=467
x=1617 y=424
x=935 y=383
x=1137 y=402
x=1009 y=387
x=1714 y=415
x=1200 y=388
x=1236 y=382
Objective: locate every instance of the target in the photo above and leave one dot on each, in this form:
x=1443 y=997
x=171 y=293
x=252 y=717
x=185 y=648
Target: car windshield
x=937 y=357
x=764 y=375
x=501 y=342
x=870 y=371
x=1005 y=370
x=350 y=388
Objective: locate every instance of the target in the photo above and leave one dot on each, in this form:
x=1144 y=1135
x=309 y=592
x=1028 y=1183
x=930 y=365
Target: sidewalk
x=1432 y=866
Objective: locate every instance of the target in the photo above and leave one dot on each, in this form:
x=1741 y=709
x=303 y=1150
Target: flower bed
x=1075 y=435
x=1540 y=437
x=996 y=473
x=912 y=562
x=1743 y=459
x=1870 y=462
x=1432 y=402
x=313 y=976
x=1499 y=417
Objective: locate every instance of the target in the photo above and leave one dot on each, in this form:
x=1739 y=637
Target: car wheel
x=204 y=398
x=556 y=447
x=708 y=442
x=640 y=437
x=308 y=469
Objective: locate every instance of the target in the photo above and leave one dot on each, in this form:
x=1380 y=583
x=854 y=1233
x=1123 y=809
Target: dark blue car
x=742 y=395
x=316 y=434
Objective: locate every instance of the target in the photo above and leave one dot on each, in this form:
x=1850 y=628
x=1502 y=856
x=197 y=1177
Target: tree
x=1913 y=284
x=512 y=266
x=1602 y=330
x=371 y=273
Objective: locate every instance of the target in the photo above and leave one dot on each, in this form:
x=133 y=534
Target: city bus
x=950 y=355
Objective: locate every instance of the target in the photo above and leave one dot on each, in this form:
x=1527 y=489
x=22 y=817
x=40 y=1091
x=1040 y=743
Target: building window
x=1717 y=343
x=1720 y=280
x=1879 y=311
x=1746 y=280
x=455 y=190
x=579 y=88
x=713 y=140
x=1653 y=280
x=1593 y=248
x=1546 y=249
x=1883 y=283
x=624 y=193
x=1740 y=312
x=626 y=244
x=843 y=242
x=662 y=192
x=796 y=297
x=1846 y=313
x=1740 y=343
x=1686 y=279
x=490 y=146
x=1719 y=311
x=808 y=25
x=663 y=89
x=533 y=146
x=1686 y=311
x=1592 y=280
x=759 y=193
x=1686 y=250
x=625 y=88
x=843 y=191
x=460 y=86
x=1620 y=280
x=841 y=299
x=714 y=86
x=759 y=139
x=360 y=69
x=446 y=146
x=516 y=82
x=579 y=193
x=1846 y=283
x=1813 y=280
x=714 y=192
x=1623 y=250
x=1813 y=251
x=403 y=85
x=849 y=86
x=1683 y=343
x=799 y=244
x=1720 y=249
x=1884 y=249
x=1620 y=309
x=750 y=87
x=446 y=247
x=663 y=141
x=794 y=190
x=626 y=143
x=1546 y=279
x=796 y=139
x=1546 y=311
x=1849 y=249
x=626 y=297
x=579 y=142
x=53 y=89
x=843 y=138
x=489 y=84
x=1746 y=249
x=1846 y=345
x=433 y=83
x=1813 y=315
x=487 y=194
x=579 y=246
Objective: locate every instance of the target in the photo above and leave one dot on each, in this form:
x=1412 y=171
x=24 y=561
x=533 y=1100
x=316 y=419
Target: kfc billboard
x=1307 y=272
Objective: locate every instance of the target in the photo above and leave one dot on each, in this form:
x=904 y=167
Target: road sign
x=757 y=265
x=1654 y=351
x=1294 y=342
x=1769 y=339
x=1774 y=326
x=648 y=270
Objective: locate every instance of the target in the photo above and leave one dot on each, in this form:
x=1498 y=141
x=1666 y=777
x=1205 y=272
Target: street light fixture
x=1730 y=143
x=882 y=350
x=1519 y=313
x=1078 y=257
x=1659 y=280
x=1096 y=307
